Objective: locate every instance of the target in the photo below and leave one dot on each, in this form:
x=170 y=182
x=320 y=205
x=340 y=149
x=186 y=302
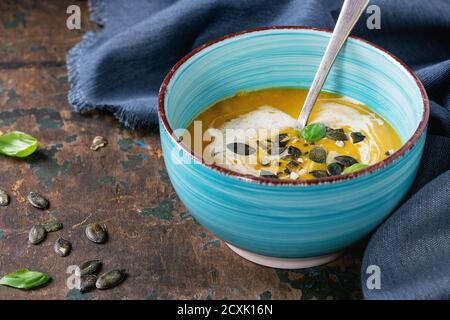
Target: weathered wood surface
x=166 y=253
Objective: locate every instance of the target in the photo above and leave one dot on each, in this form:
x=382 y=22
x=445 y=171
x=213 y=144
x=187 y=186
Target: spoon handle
x=350 y=13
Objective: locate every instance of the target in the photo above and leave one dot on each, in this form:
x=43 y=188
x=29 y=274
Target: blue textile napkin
x=121 y=66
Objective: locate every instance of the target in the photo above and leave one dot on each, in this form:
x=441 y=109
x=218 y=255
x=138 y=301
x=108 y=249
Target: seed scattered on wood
x=240 y=148
x=318 y=154
x=96 y=233
x=110 y=279
x=62 y=247
x=37 y=200
x=37 y=234
x=346 y=161
x=295 y=152
x=52 y=226
x=336 y=134
x=357 y=137
x=4 y=198
x=335 y=169
x=88 y=282
x=98 y=142
x=267 y=174
x=90 y=267
x=318 y=173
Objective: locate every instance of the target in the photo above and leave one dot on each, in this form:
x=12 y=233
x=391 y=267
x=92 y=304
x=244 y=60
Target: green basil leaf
x=25 y=279
x=313 y=132
x=354 y=167
x=17 y=144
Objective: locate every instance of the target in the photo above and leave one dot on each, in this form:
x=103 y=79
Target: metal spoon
x=350 y=13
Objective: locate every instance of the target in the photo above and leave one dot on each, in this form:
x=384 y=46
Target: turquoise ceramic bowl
x=291 y=219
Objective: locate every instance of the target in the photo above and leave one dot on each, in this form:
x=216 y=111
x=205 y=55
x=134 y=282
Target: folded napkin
x=120 y=68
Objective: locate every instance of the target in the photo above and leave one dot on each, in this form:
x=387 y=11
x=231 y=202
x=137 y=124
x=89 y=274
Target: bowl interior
x=289 y=58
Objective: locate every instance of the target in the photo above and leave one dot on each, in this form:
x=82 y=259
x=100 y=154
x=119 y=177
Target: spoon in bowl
x=350 y=13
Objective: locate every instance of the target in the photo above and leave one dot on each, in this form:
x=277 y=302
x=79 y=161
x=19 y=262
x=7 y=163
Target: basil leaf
x=25 y=279
x=17 y=144
x=313 y=132
x=354 y=167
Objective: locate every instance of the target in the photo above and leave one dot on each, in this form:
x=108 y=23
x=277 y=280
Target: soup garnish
x=255 y=133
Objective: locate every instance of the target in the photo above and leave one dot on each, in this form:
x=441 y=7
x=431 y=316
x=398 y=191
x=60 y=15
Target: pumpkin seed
x=4 y=198
x=37 y=200
x=52 y=226
x=336 y=134
x=335 y=169
x=288 y=157
x=357 y=137
x=318 y=173
x=96 y=233
x=110 y=279
x=346 y=161
x=37 y=234
x=87 y=282
x=240 y=148
x=318 y=154
x=267 y=174
x=293 y=164
x=281 y=140
x=287 y=170
x=62 y=247
x=295 y=152
x=98 y=142
x=90 y=267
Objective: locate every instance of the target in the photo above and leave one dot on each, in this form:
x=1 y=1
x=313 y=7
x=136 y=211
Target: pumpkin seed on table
x=240 y=148
x=90 y=267
x=336 y=134
x=4 y=198
x=37 y=200
x=357 y=137
x=62 y=247
x=335 y=169
x=318 y=155
x=52 y=226
x=96 y=233
x=319 y=173
x=110 y=279
x=87 y=282
x=346 y=161
x=98 y=142
x=37 y=234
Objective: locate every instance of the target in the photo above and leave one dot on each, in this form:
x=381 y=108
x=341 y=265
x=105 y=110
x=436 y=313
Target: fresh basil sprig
x=17 y=144
x=354 y=167
x=25 y=279
x=313 y=132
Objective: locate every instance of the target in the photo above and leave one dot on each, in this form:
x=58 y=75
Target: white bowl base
x=285 y=263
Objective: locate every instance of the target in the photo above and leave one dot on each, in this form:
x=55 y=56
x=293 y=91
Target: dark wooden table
x=167 y=255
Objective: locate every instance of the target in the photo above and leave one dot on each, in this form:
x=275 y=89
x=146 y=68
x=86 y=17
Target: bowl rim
x=317 y=181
